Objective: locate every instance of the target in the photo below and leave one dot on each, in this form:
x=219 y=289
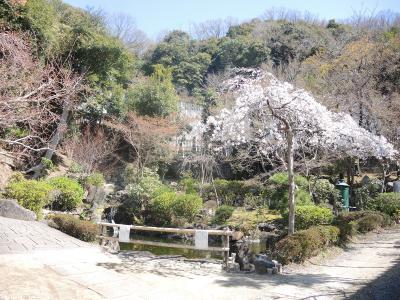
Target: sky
x=157 y=16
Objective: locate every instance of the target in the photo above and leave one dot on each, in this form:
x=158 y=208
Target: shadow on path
x=385 y=287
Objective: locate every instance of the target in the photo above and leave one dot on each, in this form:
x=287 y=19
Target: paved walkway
x=55 y=266
x=22 y=236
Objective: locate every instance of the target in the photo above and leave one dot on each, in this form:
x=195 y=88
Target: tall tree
x=281 y=120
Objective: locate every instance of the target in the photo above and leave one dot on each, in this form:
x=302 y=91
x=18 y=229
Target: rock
x=237 y=235
x=96 y=194
x=264 y=265
x=211 y=204
x=268 y=227
x=11 y=209
x=6 y=168
x=242 y=251
x=232 y=267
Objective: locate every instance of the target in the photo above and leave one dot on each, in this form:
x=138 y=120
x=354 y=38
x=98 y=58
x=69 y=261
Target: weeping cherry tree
x=280 y=121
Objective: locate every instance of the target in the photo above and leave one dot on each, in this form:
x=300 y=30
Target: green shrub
x=365 y=194
x=310 y=215
x=351 y=223
x=69 y=193
x=81 y=229
x=171 y=208
x=31 y=194
x=278 y=191
x=388 y=203
x=222 y=214
x=47 y=163
x=130 y=174
x=189 y=184
x=252 y=201
x=146 y=187
x=186 y=206
x=325 y=192
x=282 y=179
x=95 y=179
x=306 y=243
x=370 y=222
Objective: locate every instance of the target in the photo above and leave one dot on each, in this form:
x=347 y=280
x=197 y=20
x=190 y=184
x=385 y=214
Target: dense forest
x=87 y=97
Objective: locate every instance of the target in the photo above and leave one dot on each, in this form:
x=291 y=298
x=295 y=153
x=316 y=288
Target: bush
x=222 y=214
x=252 y=201
x=69 y=193
x=325 y=192
x=306 y=243
x=365 y=194
x=351 y=223
x=31 y=194
x=146 y=187
x=282 y=179
x=278 y=191
x=388 y=203
x=171 y=208
x=310 y=215
x=186 y=206
x=189 y=184
x=83 y=230
x=95 y=179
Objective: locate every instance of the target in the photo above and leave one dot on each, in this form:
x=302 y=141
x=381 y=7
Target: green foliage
x=388 y=203
x=310 y=215
x=31 y=194
x=146 y=187
x=351 y=223
x=96 y=179
x=240 y=52
x=15 y=132
x=325 y=192
x=247 y=221
x=278 y=191
x=170 y=208
x=186 y=206
x=69 y=193
x=130 y=174
x=155 y=96
x=366 y=194
x=282 y=179
x=47 y=163
x=222 y=214
x=306 y=243
x=42 y=19
x=81 y=229
x=189 y=184
x=252 y=201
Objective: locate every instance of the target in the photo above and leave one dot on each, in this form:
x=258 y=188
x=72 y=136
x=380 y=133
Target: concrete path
x=70 y=269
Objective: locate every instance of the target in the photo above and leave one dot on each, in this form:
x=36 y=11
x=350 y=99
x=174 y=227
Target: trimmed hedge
x=170 y=208
x=306 y=243
x=83 y=230
x=310 y=215
x=351 y=223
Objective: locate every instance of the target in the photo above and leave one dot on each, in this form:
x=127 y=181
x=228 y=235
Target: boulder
x=11 y=209
x=267 y=227
x=264 y=265
x=237 y=235
x=6 y=167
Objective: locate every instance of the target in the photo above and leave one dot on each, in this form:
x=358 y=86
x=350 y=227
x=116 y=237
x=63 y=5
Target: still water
x=255 y=248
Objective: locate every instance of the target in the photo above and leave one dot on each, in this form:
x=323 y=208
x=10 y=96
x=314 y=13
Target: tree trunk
x=290 y=155
x=55 y=140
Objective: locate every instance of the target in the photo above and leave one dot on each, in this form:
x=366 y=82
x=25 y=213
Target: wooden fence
x=225 y=234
